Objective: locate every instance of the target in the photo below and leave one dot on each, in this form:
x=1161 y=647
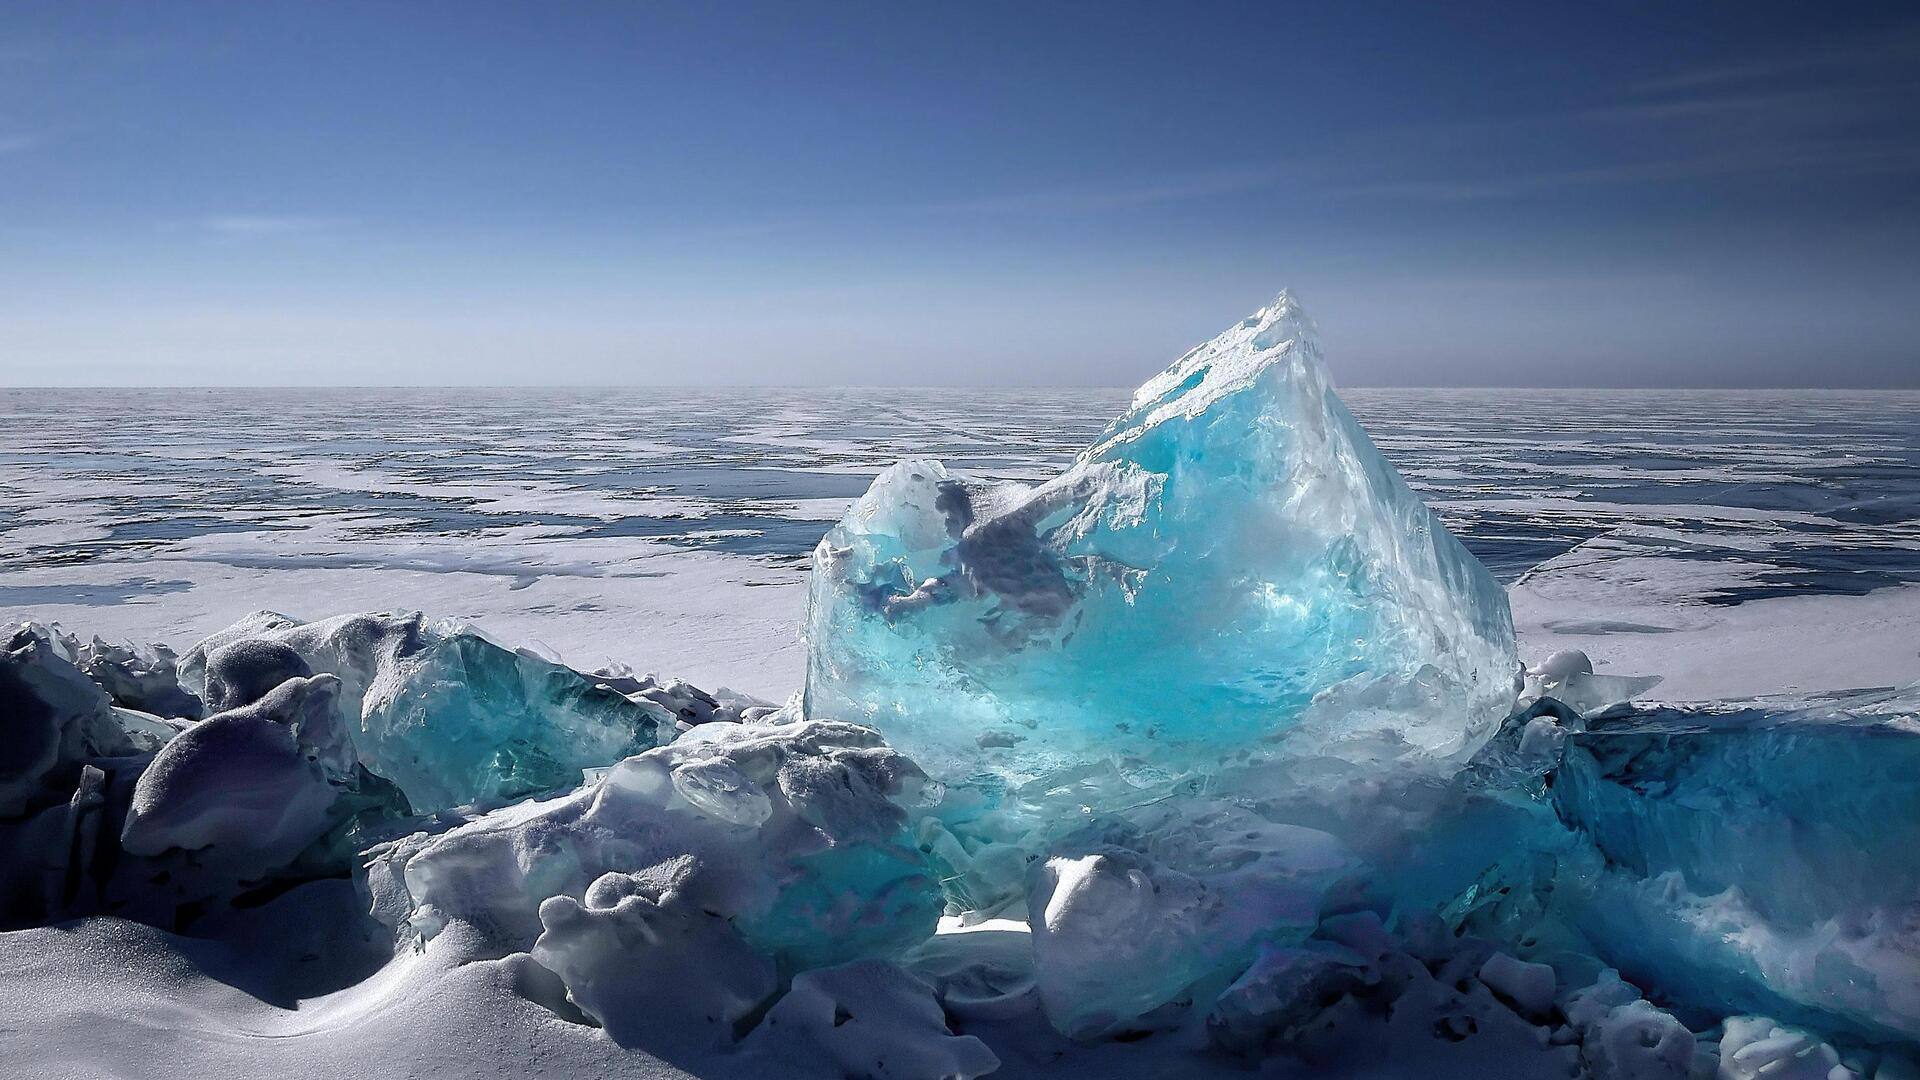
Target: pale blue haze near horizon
x=979 y=194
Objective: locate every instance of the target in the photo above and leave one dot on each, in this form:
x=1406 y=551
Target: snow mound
x=795 y=833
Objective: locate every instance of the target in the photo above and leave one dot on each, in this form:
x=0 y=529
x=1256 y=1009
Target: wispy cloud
x=1821 y=111
x=1091 y=198
x=13 y=143
x=1863 y=158
x=1698 y=125
x=1894 y=52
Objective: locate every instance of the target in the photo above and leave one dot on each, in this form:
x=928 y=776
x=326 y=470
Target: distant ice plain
x=1744 y=544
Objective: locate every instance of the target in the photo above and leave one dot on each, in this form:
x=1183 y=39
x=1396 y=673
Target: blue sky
x=340 y=193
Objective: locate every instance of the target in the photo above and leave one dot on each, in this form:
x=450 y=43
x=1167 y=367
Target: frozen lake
x=1743 y=543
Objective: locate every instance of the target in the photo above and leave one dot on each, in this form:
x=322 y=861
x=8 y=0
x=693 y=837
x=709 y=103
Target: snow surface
x=1638 y=614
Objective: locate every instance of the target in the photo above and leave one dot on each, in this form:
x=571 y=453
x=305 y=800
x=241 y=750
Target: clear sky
x=903 y=192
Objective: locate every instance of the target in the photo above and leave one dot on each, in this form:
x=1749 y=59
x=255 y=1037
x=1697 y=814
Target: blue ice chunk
x=1749 y=862
x=446 y=715
x=464 y=720
x=1803 y=815
x=1227 y=551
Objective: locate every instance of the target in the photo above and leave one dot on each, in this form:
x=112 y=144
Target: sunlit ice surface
x=1229 y=549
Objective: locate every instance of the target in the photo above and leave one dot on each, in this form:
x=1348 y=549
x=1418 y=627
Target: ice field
x=1690 y=532
x=1222 y=728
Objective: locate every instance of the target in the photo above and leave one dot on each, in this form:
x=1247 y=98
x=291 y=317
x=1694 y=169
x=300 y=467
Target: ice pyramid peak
x=1279 y=325
x=1278 y=335
x=1230 y=569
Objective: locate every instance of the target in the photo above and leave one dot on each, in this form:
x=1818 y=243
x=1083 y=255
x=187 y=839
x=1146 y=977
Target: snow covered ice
x=794 y=834
x=1231 y=567
x=1212 y=755
x=442 y=712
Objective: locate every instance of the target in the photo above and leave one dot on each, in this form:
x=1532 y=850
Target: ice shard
x=1229 y=550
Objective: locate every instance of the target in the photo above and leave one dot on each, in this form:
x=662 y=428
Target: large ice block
x=1229 y=549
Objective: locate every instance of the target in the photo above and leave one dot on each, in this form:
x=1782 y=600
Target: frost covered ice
x=447 y=715
x=1232 y=562
x=1126 y=915
x=793 y=834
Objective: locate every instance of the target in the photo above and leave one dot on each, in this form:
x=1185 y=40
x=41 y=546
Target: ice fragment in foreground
x=652 y=964
x=795 y=834
x=1568 y=677
x=249 y=784
x=442 y=712
x=1228 y=549
x=51 y=717
x=1127 y=915
x=1637 y=1041
x=136 y=677
x=1747 y=861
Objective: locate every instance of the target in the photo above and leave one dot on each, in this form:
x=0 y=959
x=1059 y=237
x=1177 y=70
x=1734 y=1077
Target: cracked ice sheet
x=498 y=497
x=1645 y=614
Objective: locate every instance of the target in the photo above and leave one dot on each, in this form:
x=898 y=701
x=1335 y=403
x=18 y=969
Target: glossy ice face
x=1228 y=549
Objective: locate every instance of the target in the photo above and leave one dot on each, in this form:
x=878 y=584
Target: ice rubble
x=445 y=714
x=1748 y=861
x=869 y=1019
x=1230 y=563
x=1240 y=773
x=251 y=784
x=1126 y=914
x=794 y=834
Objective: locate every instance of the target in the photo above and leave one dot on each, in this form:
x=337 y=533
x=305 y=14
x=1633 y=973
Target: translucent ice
x=465 y=719
x=1228 y=550
x=1747 y=862
x=442 y=712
